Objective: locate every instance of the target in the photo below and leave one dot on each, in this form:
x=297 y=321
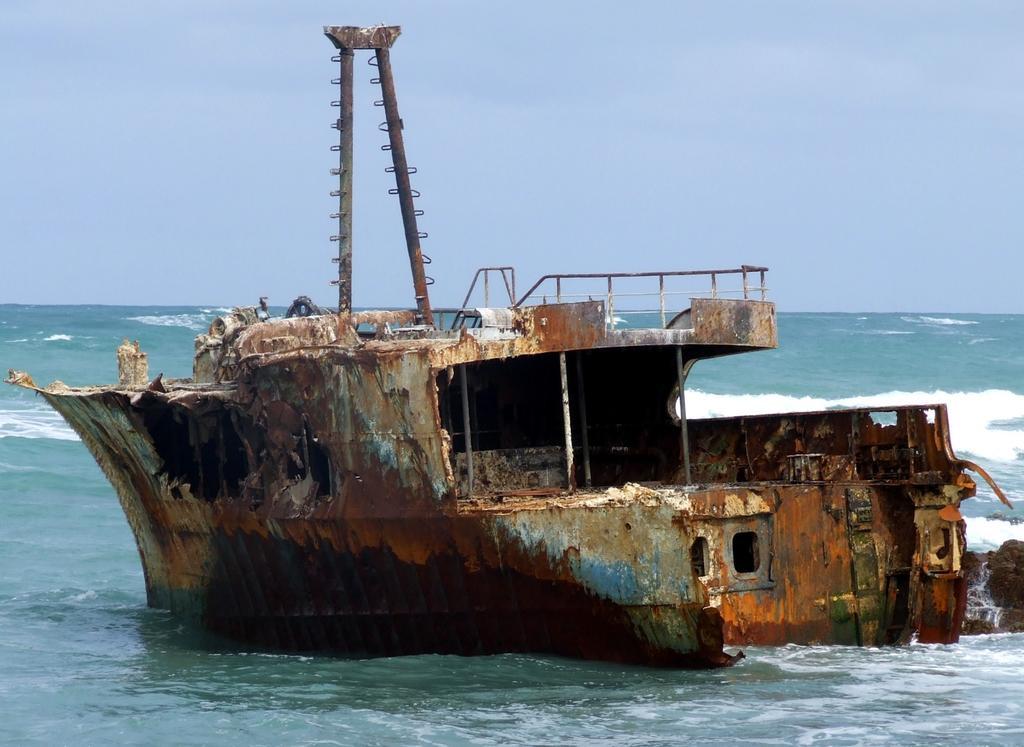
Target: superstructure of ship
x=519 y=476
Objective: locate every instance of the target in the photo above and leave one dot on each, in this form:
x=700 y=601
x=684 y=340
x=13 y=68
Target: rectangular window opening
x=746 y=555
x=699 y=556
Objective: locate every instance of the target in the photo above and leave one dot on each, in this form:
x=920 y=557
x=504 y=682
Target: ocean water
x=83 y=660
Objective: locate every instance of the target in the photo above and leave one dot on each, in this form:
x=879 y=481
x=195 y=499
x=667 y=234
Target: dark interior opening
x=746 y=556
x=168 y=427
x=209 y=476
x=201 y=449
x=515 y=404
x=699 y=556
x=308 y=458
x=235 y=463
x=294 y=466
x=319 y=465
x=897 y=595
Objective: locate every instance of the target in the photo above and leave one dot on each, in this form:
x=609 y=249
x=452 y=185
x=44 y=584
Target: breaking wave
x=884 y=332
x=6 y=468
x=197 y=322
x=978 y=421
x=63 y=338
x=940 y=321
x=35 y=424
x=984 y=533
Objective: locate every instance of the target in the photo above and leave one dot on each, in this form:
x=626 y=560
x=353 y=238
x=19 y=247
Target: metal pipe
x=405 y=195
x=570 y=467
x=582 y=406
x=661 y=298
x=511 y=289
x=611 y=312
x=466 y=430
x=684 y=435
x=344 y=125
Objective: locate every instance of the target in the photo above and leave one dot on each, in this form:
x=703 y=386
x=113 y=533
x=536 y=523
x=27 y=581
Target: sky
x=869 y=153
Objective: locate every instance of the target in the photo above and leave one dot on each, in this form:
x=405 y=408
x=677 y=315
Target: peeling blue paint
x=650 y=577
x=616 y=581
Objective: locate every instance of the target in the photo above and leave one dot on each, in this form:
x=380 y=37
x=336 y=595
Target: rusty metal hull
x=372 y=575
x=310 y=490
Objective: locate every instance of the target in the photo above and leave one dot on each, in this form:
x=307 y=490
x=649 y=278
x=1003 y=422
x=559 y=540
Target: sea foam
x=988 y=534
x=189 y=321
x=35 y=424
x=58 y=337
x=940 y=321
x=974 y=417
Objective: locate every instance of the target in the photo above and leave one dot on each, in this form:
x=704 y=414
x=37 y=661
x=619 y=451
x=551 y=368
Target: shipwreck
x=519 y=476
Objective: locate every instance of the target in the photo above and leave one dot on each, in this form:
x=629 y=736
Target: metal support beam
x=466 y=434
x=582 y=407
x=570 y=466
x=347 y=39
x=344 y=171
x=404 y=188
x=681 y=373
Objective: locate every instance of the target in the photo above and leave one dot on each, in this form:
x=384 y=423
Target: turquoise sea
x=84 y=661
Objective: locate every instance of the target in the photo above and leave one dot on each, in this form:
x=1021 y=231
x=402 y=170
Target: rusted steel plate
x=309 y=500
x=362 y=37
x=732 y=322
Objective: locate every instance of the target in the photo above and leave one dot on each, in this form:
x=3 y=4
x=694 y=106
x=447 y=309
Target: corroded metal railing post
x=681 y=372
x=661 y=298
x=467 y=436
x=570 y=466
x=404 y=188
x=610 y=310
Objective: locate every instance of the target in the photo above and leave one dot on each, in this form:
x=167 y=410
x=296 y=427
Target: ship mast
x=379 y=39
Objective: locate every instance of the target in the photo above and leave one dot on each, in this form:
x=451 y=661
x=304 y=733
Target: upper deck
x=706 y=313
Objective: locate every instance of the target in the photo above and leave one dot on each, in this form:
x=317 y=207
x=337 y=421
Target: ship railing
x=629 y=294
x=462 y=315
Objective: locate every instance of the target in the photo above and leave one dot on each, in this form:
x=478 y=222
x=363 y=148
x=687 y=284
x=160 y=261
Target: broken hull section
x=866 y=537
x=269 y=556
x=314 y=489
x=477 y=583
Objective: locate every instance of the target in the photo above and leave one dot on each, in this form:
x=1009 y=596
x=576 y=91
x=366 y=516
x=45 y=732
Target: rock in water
x=1006 y=582
x=995 y=602
x=981 y=615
